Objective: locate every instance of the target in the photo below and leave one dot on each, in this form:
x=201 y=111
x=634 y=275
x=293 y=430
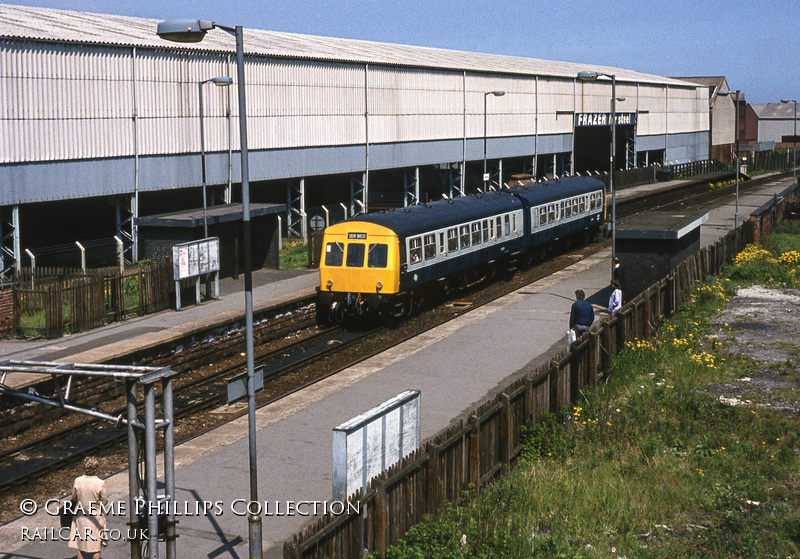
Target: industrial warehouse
x=109 y=130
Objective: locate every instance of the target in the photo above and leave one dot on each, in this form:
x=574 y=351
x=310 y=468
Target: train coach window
x=452 y=240
x=499 y=226
x=566 y=209
x=574 y=206
x=430 y=246
x=378 y=256
x=334 y=254
x=415 y=250
x=485 y=224
x=464 y=236
x=542 y=216
x=582 y=204
x=476 y=233
x=507 y=228
x=551 y=213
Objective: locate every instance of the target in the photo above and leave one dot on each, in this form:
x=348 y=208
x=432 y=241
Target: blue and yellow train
x=388 y=262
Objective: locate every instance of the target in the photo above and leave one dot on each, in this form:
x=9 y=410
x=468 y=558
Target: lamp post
x=221 y=82
x=794 y=139
x=485 y=97
x=193 y=31
x=736 y=137
x=591 y=75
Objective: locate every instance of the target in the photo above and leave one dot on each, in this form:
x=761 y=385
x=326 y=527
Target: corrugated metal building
x=100 y=106
x=771 y=122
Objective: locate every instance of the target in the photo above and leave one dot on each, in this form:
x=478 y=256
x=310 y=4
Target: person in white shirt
x=615 y=301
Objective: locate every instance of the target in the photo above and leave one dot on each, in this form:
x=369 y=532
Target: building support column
x=127 y=214
x=411 y=187
x=358 y=194
x=10 y=247
x=296 y=209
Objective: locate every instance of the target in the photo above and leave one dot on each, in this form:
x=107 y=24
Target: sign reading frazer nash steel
x=603 y=119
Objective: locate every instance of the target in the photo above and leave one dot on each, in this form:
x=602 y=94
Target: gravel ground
x=763 y=325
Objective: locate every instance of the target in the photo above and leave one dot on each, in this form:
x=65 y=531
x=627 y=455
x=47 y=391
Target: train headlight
x=329 y=284
x=379 y=285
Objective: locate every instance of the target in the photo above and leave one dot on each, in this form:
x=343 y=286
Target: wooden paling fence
x=474 y=452
x=69 y=301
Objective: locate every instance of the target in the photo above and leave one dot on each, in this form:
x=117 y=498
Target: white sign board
x=368 y=444
x=195 y=258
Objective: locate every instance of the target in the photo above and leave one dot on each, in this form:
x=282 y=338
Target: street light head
x=788 y=101
x=587 y=75
x=222 y=81
x=496 y=93
x=620 y=98
x=184 y=30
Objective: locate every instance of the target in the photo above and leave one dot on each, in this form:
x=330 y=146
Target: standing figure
x=615 y=301
x=88 y=530
x=581 y=316
x=619 y=273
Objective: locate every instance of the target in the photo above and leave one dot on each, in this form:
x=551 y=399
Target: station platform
x=454 y=366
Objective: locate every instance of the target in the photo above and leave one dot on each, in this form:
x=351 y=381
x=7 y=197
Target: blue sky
x=750 y=42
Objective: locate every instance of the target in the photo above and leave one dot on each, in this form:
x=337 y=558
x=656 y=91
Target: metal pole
x=133 y=469
x=169 y=466
x=151 y=503
x=611 y=173
x=485 y=96
x=794 y=169
x=203 y=162
x=254 y=520
x=736 y=214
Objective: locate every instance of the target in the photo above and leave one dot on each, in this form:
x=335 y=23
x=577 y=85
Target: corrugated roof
x=26 y=22
x=773 y=110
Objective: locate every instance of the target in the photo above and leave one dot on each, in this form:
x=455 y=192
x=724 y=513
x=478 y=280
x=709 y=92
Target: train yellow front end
x=359 y=269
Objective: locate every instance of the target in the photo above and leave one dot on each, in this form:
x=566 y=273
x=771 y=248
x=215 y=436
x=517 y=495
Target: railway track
x=286 y=369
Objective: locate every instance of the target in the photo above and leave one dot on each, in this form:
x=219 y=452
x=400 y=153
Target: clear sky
x=754 y=43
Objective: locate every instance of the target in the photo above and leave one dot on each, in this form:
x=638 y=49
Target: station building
x=101 y=125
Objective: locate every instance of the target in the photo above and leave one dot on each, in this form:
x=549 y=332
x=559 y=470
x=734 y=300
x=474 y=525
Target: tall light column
x=193 y=31
x=590 y=75
x=736 y=139
x=222 y=82
x=485 y=97
x=794 y=139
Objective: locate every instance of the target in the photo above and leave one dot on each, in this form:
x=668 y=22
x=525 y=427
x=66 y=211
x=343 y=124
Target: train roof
x=445 y=213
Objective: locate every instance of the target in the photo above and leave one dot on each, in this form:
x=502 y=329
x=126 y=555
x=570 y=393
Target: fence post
x=381 y=516
x=434 y=479
x=592 y=362
x=555 y=391
x=474 y=451
x=528 y=398
x=505 y=429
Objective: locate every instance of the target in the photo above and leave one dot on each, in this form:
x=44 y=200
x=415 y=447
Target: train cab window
x=507 y=226
x=415 y=250
x=334 y=254
x=430 y=246
x=476 y=233
x=485 y=224
x=452 y=240
x=355 y=255
x=378 y=255
x=464 y=236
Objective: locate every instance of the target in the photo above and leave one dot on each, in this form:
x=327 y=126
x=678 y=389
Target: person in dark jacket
x=619 y=274
x=581 y=315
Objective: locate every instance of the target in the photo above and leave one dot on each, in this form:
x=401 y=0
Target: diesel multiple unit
x=387 y=262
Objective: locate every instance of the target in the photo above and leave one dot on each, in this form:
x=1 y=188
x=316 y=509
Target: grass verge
x=651 y=463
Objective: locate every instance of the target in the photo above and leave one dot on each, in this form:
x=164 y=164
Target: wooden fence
x=66 y=300
x=475 y=451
